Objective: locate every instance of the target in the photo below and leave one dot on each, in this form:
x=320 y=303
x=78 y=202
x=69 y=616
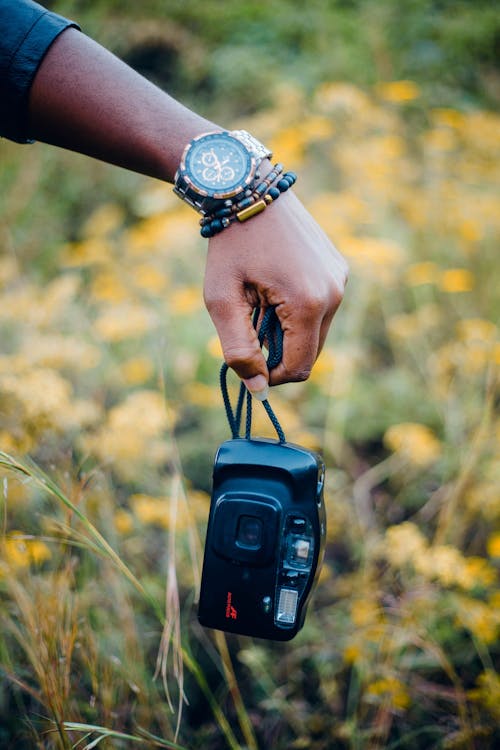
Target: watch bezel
x=184 y=174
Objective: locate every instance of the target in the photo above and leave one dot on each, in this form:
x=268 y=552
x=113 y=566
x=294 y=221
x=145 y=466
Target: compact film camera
x=265 y=538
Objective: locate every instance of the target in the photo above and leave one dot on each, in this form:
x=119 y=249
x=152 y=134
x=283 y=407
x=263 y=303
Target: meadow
x=111 y=413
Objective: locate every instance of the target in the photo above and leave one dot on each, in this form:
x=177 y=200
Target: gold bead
x=247 y=213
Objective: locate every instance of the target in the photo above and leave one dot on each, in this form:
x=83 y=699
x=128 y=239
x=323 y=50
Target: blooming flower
x=414 y=442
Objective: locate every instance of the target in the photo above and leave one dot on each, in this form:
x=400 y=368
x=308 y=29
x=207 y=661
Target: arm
x=85 y=99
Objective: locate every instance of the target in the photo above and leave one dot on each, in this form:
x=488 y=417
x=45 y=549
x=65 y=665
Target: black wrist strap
x=271 y=333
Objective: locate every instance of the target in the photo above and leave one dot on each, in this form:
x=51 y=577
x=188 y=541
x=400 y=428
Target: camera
x=265 y=538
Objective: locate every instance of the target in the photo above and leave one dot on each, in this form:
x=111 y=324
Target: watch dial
x=218 y=164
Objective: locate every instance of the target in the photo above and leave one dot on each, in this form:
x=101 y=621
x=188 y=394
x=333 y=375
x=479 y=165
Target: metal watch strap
x=188 y=195
x=252 y=144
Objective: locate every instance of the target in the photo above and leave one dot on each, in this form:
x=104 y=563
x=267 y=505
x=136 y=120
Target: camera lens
x=249 y=534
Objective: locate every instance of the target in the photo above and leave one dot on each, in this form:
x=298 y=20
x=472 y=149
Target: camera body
x=265 y=538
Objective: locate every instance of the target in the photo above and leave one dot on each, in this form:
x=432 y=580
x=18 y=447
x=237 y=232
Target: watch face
x=218 y=165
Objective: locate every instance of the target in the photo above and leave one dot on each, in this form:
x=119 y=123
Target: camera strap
x=271 y=333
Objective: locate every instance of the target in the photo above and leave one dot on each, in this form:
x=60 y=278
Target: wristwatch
x=218 y=167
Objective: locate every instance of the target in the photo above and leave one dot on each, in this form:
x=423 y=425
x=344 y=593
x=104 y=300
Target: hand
x=283 y=258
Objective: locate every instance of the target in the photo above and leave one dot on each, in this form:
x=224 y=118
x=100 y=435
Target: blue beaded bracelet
x=254 y=201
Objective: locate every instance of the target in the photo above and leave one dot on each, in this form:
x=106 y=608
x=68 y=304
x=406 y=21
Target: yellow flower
x=136 y=370
x=124 y=523
x=470 y=230
x=185 y=301
x=152 y=511
x=365 y=612
x=422 y=273
x=333 y=372
x=87 y=252
x=480 y=618
x=39 y=552
x=447 y=116
x=483 y=498
x=214 y=347
x=20 y=443
x=317 y=128
x=456 y=280
x=443 y=563
x=493 y=545
x=149 y=278
x=124 y=322
x=481 y=130
x=333 y=96
x=352 y=653
x=201 y=394
x=57 y=351
x=487 y=692
x=398 y=91
x=404 y=544
x=392 y=690
x=404 y=326
x=377 y=259
x=108 y=287
x=15 y=551
x=440 y=139
x=339 y=212
x=43 y=394
x=324 y=368
x=133 y=435
x=19 y=551
x=290 y=143
x=414 y=442
x=476 y=329
x=104 y=220
x=163 y=233
x=476 y=571
x=144 y=411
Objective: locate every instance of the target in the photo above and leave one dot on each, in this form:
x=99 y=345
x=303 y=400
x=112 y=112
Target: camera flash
x=287 y=605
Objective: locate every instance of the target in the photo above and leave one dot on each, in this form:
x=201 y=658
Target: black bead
x=206 y=231
x=223 y=212
x=245 y=203
x=216 y=226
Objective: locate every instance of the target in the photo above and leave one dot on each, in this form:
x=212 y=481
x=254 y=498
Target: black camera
x=265 y=538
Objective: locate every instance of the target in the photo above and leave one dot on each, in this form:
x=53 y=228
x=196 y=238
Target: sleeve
x=26 y=32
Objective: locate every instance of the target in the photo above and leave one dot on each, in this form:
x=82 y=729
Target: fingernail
x=258 y=387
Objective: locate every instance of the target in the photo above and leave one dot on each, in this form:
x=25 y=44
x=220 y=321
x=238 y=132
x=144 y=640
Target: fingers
x=231 y=314
x=301 y=345
x=306 y=323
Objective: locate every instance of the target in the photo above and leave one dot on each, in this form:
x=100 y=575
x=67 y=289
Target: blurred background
x=110 y=410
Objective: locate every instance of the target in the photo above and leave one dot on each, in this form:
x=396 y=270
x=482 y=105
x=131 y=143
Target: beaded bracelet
x=254 y=201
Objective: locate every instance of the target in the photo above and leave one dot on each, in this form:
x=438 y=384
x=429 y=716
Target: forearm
x=85 y=99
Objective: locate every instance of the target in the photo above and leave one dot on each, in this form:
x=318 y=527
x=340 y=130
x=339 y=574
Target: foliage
x=110 y=414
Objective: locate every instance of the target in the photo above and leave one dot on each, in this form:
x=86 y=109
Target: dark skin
x=85 y=99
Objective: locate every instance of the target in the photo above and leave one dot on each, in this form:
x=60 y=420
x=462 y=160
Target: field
x=111 y=413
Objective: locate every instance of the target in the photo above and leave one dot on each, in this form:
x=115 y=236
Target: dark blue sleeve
x=26 y=32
